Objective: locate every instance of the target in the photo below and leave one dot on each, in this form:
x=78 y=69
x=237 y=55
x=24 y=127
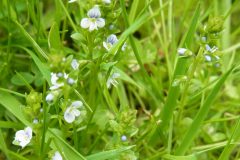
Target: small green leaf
x=78 y=37
x=17 y=80
x=54 y=41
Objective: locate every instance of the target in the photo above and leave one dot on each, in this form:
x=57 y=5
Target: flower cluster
x=209 y=34
x=59 y=80
x=23 y=137
x=72 y=111
x=111 y=40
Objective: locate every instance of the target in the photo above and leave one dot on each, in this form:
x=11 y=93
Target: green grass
x=161 y=104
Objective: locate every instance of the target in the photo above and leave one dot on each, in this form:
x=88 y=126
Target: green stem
x=187 y=85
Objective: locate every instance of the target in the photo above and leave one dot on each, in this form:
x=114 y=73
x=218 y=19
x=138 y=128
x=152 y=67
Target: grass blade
x=108 y=154
x=13 y=106
x=202 y=113
x=180 y=69
x=32 y=41
x=68 y=151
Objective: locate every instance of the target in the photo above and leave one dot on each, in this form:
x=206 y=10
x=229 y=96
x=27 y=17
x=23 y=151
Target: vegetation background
x=166 y=104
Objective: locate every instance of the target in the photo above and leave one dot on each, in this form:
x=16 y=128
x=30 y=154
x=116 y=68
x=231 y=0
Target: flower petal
x=93 y=26
x=57 y=156
x=107 y=46
x=85 y=23
x=77 y=104
x=100 y=22
x=76 y=112
x=74 y=64
x=20 y=135
x=28 y=132
x=94 y=12
x=69 y=117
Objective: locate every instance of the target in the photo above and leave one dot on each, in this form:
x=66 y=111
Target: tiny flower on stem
x=124 y=138
x=57 y=156
x=93 y=22
x=111 y=40
x=208 y=58
x=74 y=64
x=184 y=52
x=50 y=97
x=72 y=111
x=209 y=49
x=112 y=80
x=55 y=80
x=23 y=137
x=181 y=51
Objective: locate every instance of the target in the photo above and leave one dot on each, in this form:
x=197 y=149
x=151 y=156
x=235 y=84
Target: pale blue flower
x=208 y=58
x=112 y=80
x=50 y=97
x=124 y=138
x=23 y=137
x=93 y=22
x=74 y=64
x=72 y=111
x=181 y=51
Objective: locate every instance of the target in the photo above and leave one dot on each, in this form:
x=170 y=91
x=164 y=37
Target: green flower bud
x=215 y=24
x=33 y=98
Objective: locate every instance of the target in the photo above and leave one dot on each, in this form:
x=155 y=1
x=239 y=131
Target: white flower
x=212 y=50
x=35 y=121
x=124 y=138
x=93 y=22
x=71 y=1
x=54 y=80
x=55 y=84
x=208 y=58
x=23 y=137
x=181 y=51
x=57 y=156
x=71 y=81
x=72 y=111
x=111 y=40
x=112 y=80
x=106 y=1
x=50 y=97
x=74 y=64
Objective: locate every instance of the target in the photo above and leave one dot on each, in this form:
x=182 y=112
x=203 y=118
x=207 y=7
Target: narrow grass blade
x=82 y=99
x=180 y=69
x=16 y=93
x=16 y=156
x=108 y=154
x=13 y=106
x=172 y=157
x=230 y=146
x=32 y=41
x=3 y=145
x=202 y=113
x=43 y=68
x=68 y=151
x=8 y=124
x=54 y=41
